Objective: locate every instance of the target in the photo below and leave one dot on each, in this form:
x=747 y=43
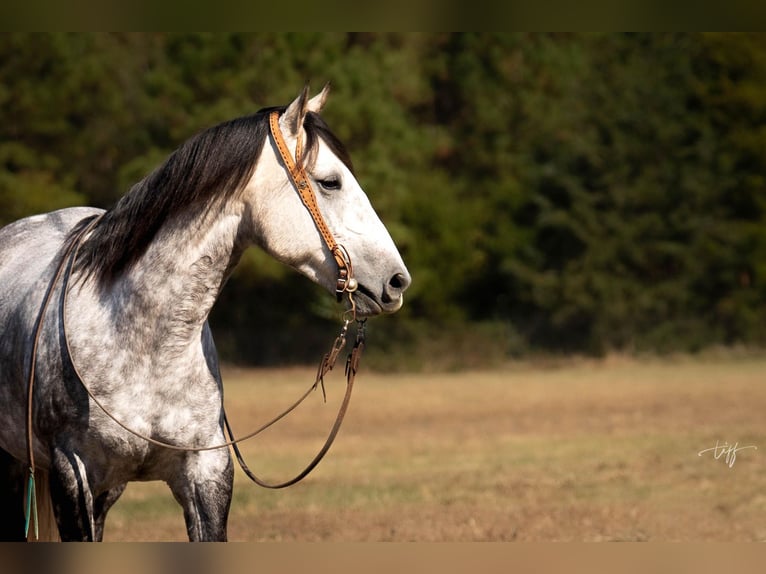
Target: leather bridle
x=345 y=283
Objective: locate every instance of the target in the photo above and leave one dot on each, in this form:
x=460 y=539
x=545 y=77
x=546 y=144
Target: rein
x=345 y=283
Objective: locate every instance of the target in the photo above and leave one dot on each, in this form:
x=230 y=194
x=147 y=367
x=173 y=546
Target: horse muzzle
x=388 y=299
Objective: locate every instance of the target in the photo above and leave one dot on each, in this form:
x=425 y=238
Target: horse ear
x=317 y=102
x=292 y=120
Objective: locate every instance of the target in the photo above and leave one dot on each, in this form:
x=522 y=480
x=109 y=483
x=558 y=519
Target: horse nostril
x=400 y=282
x=392 y=292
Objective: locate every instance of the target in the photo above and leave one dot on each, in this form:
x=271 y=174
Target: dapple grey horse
x=134 y=326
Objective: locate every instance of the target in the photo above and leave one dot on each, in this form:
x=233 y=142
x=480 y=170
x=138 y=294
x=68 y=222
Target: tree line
x=581 y=193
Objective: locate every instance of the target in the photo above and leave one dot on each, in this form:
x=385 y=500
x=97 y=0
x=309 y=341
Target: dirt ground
x=617 y=449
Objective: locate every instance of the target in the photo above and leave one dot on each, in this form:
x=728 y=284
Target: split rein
x=346 y=284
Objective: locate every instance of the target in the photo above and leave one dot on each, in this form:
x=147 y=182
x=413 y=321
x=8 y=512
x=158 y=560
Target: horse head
x=287 y=228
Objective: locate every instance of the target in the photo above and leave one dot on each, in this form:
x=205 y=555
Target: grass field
x=575 y=451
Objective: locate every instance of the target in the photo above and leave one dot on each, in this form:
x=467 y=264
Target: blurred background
x=552 y=194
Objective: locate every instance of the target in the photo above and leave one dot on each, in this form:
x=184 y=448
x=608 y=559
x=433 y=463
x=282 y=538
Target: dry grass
x=583 y=451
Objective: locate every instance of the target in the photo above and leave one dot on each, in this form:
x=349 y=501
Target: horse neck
x=172 y=288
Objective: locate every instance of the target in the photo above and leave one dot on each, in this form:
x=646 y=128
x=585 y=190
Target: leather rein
x=345 y=284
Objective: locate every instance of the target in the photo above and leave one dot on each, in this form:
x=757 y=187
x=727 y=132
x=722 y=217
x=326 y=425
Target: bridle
x=345 y=284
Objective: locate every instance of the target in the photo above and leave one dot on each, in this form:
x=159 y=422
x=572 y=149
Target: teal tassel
x=31 y=505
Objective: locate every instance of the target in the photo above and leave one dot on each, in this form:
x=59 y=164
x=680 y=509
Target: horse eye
x=329 y=184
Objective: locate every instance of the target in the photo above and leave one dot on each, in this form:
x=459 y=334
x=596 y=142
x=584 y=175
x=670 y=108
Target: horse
x=130 y=322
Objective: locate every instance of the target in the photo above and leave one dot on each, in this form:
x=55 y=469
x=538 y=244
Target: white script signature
x=726 y=451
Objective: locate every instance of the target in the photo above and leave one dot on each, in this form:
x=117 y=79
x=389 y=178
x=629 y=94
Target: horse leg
x=12 y=496
x=101 y=506
x=204 y=490
x=72 y=497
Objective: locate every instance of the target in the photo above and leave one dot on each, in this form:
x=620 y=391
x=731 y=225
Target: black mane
x=202 y=174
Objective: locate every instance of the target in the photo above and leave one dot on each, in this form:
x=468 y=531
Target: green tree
x=576 y=192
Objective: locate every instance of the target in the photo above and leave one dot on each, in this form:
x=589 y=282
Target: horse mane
x=203 y=173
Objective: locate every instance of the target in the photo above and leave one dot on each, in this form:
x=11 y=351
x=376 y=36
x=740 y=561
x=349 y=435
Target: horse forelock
x=316 y=128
